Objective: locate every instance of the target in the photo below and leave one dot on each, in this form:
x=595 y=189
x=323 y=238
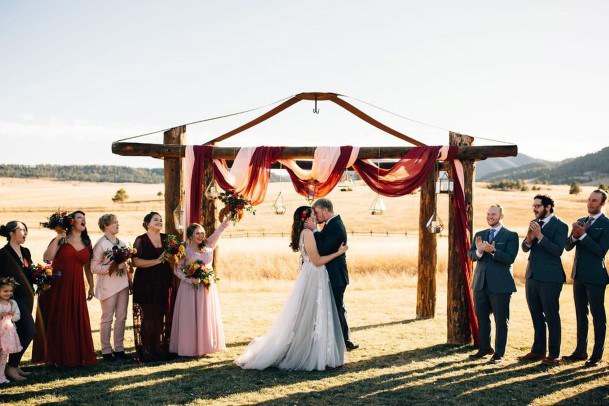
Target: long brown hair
x=190 y=231
x=300 y=215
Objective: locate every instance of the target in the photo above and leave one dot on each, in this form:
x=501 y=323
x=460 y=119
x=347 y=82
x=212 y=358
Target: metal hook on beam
x=316 y=110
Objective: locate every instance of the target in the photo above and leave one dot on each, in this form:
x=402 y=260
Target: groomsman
x=590 y=238
x=545 y=240
x=494 y=250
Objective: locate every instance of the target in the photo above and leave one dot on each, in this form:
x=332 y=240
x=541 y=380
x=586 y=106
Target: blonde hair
x=105 y=220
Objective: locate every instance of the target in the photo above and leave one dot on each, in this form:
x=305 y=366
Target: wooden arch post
x=458 y=331
x=428 y=255
x=174 y=177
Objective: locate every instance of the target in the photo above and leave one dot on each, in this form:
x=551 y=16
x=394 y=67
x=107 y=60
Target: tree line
x=84 y=173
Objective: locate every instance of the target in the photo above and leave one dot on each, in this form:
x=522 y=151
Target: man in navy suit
x=545 y=240
x=328 y=240
x=590 y=238
x=494 y=250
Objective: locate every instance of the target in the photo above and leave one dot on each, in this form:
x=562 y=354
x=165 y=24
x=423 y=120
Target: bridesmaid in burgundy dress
x=154 y=292
x=67 y=328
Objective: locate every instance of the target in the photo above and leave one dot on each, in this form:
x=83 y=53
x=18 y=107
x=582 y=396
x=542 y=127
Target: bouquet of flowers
x=234 y=205
x=43 y=276
x=199 y=270
x=119 y=254
x=59 y=220
x=174 y=247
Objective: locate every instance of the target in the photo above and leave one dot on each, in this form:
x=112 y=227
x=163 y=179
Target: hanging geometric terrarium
x=378 y=206
x=347 y=184
x=279 y=206
x=434 y=224
x=312 y=186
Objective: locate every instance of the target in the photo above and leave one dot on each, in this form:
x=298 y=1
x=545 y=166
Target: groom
x=328 y=241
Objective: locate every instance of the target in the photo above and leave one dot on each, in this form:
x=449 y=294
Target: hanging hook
x=316 y=110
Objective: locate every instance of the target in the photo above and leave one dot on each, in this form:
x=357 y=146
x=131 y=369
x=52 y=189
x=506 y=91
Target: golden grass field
x=401 y=360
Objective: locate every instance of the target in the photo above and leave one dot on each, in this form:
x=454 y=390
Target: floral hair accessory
x=303 y=215
x=8 y=281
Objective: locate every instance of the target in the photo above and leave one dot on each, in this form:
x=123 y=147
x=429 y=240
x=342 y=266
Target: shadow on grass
x=440 y=374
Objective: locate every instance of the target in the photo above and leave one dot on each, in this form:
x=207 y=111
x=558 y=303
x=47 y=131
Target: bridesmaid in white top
x=111 y=288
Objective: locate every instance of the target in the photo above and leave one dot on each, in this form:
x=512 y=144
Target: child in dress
x=9 y=314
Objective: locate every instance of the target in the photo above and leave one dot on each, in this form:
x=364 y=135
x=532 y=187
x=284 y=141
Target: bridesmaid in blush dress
x=153 y=292
x=67 y=328
x=197 y=321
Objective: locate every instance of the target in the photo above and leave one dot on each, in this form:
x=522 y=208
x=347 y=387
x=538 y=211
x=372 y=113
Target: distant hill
x=588 y=169
x=493 y=165
x=85 y=173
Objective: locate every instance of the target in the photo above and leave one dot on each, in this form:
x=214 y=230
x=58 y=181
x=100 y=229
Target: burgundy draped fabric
x=463 y=243
x=202 y=154
x=404 y=177
x=260 y=174
x=315 y=189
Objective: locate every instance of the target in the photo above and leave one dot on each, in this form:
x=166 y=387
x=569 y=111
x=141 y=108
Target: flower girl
x=9 y=314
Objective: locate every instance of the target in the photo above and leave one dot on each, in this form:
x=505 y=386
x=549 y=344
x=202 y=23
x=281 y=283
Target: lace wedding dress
x=307 y=334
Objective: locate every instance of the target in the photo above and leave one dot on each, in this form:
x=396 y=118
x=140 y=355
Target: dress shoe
x=121 y=355
x=550 y=361
x=592 y=362
x=351 y=346
x=482 y=353
x=108 y=357
x=495 y=359
x=329 y=368
x=530 y=357
x=575 y=357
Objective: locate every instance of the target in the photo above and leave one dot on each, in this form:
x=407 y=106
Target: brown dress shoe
x=531 y=357
x=575 y=357
x=550 y=361
x=482 y=353
x=592 y=362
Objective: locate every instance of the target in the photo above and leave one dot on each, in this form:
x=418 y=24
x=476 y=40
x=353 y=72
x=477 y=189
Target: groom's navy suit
x=493 y=286
x=589 y=282
x=328 y=241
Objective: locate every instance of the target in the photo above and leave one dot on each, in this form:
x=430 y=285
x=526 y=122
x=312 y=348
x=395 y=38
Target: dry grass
x=400 y=360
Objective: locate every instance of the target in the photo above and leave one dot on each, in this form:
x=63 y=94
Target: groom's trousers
x=339 y=292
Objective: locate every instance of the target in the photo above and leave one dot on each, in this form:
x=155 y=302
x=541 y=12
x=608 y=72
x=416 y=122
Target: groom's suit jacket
x=328 y=241
x=495 y=270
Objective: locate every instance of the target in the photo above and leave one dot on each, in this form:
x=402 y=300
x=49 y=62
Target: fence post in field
x=457 y=318
x=428 y=256
x=173 y=177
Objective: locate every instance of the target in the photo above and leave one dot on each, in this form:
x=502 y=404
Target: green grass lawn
x=400 y=361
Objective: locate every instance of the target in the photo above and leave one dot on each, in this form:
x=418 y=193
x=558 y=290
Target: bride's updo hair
x=300 y=215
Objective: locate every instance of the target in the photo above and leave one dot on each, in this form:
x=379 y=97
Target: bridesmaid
x=67 y=327
x=153 y=292
x=197 y=320
x=111 y=289
x=15 y=261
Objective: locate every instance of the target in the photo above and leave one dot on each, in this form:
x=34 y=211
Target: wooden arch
x=173 y=150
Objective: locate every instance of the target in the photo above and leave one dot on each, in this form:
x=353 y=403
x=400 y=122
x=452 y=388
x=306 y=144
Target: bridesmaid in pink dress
x=197 y=320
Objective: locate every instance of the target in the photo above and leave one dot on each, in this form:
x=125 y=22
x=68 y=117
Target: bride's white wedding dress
x=307 y=334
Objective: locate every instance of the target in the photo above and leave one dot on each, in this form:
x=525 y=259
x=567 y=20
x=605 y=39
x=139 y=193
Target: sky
x=76 y=76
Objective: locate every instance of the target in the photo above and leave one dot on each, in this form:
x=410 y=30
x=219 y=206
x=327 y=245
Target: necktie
x=540 y=222
x=491 y=235
x=588 y=222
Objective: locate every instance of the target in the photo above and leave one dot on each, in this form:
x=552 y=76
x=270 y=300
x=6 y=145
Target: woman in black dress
x=154 y=292
x=15 y=261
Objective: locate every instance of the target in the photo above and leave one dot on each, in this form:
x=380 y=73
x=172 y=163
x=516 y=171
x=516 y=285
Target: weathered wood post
x=174 y=177
x=208 y=209
x=457 y=317
x=428 y=256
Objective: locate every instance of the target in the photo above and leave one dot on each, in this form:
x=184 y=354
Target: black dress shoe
x=592 y=362
x=121 y=355
x=108 y=357
x=482 y=353
x=495 y=359
x=575 y=357
x=351 y=346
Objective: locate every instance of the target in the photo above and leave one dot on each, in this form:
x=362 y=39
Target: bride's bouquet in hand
x=234 y=206
x=199 y=270
x=118 y=255
x=174 y=248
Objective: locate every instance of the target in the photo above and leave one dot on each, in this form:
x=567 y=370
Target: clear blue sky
x=77 y=75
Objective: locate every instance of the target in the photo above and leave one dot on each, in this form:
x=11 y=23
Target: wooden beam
x=173 y=178
x=162 y=151
x=428 y=255
x=458 y=331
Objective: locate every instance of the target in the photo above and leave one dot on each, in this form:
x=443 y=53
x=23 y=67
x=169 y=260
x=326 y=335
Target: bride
x=307 y=334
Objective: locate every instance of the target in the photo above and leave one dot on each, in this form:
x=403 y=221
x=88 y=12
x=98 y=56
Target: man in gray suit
x=545 y=240
x=494 y=250
x=590 y=238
